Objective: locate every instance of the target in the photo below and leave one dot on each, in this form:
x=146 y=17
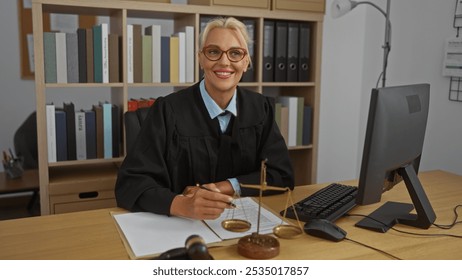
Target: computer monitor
x=393 y=145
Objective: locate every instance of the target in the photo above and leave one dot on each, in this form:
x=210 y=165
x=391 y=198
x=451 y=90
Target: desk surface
x=93 y=234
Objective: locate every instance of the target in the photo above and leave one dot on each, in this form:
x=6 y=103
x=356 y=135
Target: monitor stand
x=386 y=216
x=393 y=212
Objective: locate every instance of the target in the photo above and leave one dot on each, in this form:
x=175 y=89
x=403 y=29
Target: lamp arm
x=374 y=5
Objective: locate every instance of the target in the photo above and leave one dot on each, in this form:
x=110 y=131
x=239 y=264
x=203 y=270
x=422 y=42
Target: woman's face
x=223 y=75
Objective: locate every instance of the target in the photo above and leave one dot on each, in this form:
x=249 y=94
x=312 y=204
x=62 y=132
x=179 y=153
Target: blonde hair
x=230 y=23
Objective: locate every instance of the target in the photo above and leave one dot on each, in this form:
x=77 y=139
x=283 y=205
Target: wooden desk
x=28 y=182
x=93 y=234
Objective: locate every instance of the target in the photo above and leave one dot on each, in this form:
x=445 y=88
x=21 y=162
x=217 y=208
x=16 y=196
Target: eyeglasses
x=213 y=53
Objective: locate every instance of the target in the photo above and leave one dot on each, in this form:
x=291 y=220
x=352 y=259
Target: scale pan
x=235 y=225
x=287 y=231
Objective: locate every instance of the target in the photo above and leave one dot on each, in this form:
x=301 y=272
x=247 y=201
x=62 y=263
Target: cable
x=456 y=216
x=407 y=232
x=373 y=248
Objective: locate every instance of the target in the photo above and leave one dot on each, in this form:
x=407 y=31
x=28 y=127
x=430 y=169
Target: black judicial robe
x=179 y=146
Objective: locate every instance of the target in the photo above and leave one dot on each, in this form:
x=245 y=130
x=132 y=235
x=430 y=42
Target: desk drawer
x=82 y=201
x=60 y=208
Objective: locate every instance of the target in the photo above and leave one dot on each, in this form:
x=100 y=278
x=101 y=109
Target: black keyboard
x=330 y=203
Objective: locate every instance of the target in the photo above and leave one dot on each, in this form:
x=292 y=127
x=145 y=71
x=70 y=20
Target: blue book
x=107 y=129
x=165 y=59
x=61 y=135
x=90 y=131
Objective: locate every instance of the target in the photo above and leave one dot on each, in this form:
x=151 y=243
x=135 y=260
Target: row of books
x=286 y=51
x=294 y=120
x=136 y=103
x=153 y=58
x=84 y=134
x=90 y=55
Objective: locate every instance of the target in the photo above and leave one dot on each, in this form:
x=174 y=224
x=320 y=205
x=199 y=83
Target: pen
x=207 y=189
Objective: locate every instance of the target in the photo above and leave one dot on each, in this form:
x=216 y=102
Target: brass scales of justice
x=263 y=246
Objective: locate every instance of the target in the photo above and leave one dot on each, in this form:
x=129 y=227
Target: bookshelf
x=76 y=185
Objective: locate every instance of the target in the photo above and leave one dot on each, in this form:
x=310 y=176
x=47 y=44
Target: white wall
x=352 y=61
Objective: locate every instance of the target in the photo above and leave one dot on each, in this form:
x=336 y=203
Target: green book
x=49 y=52
x=97 y=54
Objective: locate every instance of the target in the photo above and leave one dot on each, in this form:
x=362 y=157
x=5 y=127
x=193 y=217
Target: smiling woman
x=213 y=134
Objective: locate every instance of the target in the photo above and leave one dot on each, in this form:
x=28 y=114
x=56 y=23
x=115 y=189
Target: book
x=138 y=229
x=61 y=135
x=51 y=132
x=284 y=128
x=98 y=109
x=268 y=51
x=72 y=58
x=132 y=105
x=291 y=102
x=174 y=59
x=137 y=53
x=190 y=53
x=292 y=52
x=101 y=53
x=165 y=60
x=116 y=130
x=307 y=119
x=49 y=53
x=300 y=106
x=69 y=108
x=80 y=136
x=61 y=60
x=90 y=61
x=114 y=57
x=90 y=133
x=146 y=58
x=130 y=53
x=280 y=51
x=82 y=54
x=304 y=52
x=107 y=129
x=155 y=32
x=181 y=56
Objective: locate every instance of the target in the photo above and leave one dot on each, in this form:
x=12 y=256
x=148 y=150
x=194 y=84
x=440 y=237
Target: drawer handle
x=88 y=195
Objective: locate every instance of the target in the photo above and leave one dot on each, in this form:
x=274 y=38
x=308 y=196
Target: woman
x=213 y=134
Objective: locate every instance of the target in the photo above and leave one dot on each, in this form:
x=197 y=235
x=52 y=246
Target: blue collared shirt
x=215 y=112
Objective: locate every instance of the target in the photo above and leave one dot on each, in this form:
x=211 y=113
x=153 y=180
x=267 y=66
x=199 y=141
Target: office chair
x=133 y=121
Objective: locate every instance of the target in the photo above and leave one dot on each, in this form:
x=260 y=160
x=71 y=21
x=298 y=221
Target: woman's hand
x=202 y=203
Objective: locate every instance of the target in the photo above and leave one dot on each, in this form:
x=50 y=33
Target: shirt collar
x=212 y=107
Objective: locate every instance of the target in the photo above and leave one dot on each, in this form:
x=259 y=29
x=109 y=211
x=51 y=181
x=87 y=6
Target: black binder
x=280 y=50
x=268 y=51
x=304 y=52
x=292 y=52
x=249 y=75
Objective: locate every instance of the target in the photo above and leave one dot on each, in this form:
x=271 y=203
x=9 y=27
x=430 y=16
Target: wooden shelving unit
x=88 y=184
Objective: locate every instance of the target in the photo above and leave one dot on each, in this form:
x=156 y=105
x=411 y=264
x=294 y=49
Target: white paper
x=247 y=209
x=150 y=234
x=453 y=58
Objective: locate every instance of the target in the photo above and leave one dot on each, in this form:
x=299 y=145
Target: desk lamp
x=341 y=7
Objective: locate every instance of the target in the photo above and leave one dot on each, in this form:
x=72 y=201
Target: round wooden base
x=256 y=246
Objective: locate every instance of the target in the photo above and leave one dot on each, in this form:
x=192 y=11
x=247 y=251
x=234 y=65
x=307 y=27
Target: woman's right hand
x=201 y=204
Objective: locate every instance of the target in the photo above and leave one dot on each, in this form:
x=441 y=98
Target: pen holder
x=13 y=168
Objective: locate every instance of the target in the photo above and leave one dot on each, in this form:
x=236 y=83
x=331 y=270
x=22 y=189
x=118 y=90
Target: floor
x=15 y=207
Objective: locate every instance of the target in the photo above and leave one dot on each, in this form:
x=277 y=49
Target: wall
x=352 y=61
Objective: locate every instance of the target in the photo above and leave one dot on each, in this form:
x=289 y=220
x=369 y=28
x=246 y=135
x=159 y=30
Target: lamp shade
x=341 y=7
